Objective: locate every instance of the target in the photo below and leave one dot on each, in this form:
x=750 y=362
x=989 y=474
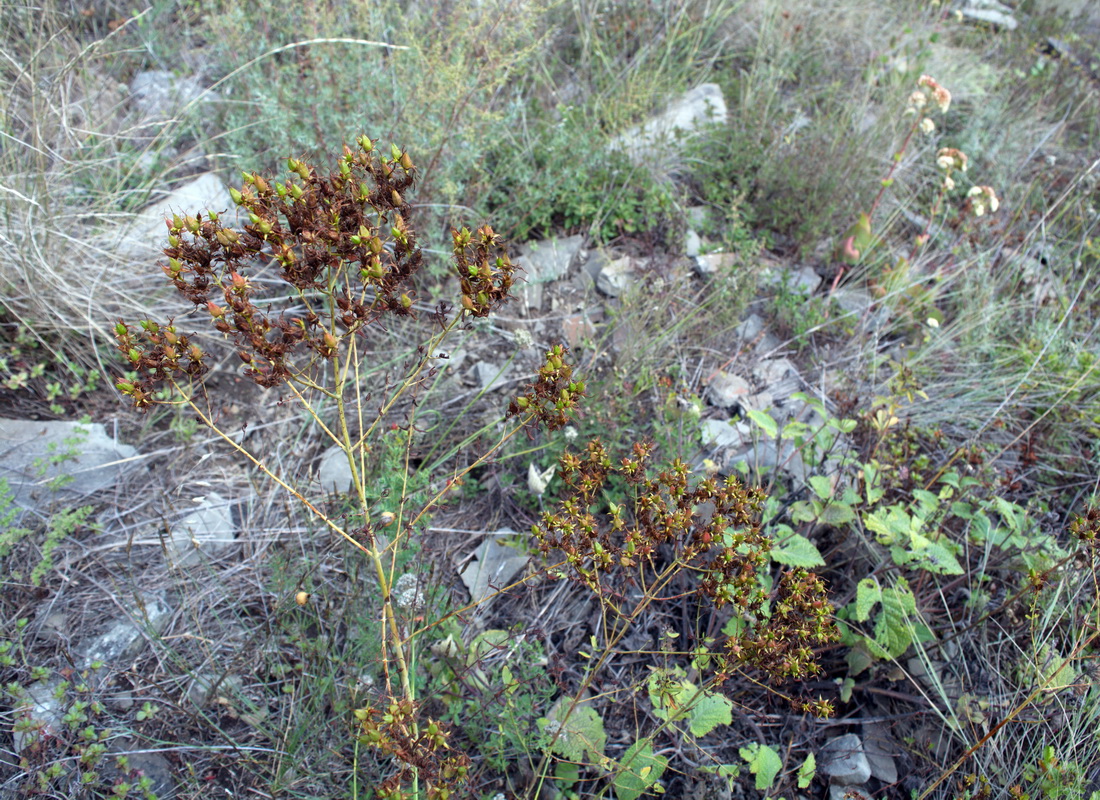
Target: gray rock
x=878 y=746
x=692 y=244
x=779 y=377
x=705 y=103
x=750 y=327
x=712 y=263
x=725 y=433
x=206 y=532
x=489 y=375
x=145 y=235
x=616 y=277
x=125 y=638
x=141 y=762
x=492 y=567
x=544 y=262
x=208 y=686
x=842 y=759
x=858 y=305
x=990 y=11
x=848 y=793
x=758 y=401
x=333 y=471
x=593 y=263
x=727 y=391
x=697 y=216
x=803 y=280
x=158 y=94
x=121 y=701
x=41 y=708
x=27 y=448
x=765 y=454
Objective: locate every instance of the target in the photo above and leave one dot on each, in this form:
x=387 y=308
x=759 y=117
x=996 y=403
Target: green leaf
x=712 y=709
x=837 y=514
x=804 y=511
x=889 y=524
x=763 y=762
x=934 y=557
x=893 y=632
x=642 y=769
x=671 y=695
x=822 y=486
x=581 y=733
x=807 y=771
x=797 y=551
x=867 y=594
x=765 y=421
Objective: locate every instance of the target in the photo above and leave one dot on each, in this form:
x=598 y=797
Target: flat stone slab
x=125 y=638
x=842 y=759
x=43 y=460
x=146 y=236
x=686 y=114
x=206 y=532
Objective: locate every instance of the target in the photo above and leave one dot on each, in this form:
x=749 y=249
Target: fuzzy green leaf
x=581 y=733
x=893 y=632
x=934 y=557
x=867 y=594
x=763 y=762
x=822 y=486
x=765 y=421
x=837 y=514
x=797 y=551
x=807 y=771
x=712 y=709
x=642 y=770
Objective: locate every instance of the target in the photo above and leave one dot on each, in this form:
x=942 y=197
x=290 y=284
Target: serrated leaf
x=803 y=511
x=797 y=551
x=889 y=524
x=581 y=733
x=712 y=709
x=837 y=514
x=765 y=421
x=671 y=699
x=763 y=762
x=642 y=769
x=893 y=632
x=807 y=771
x=934 y=557
x=867 y=594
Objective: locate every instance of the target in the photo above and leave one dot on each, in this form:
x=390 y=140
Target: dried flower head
x=949 y=158
x=927 y=126
x=982 y=199
x=554 y=396
x=941 y=96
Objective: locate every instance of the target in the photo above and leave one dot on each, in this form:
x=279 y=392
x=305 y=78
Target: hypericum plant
x=347 y=259
x=683 y=537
